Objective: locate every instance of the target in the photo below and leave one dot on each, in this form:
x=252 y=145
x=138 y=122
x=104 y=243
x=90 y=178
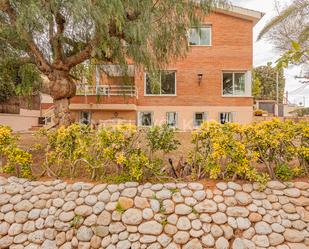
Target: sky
x=265 y=52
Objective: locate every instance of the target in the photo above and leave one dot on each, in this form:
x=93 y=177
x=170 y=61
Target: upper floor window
x=200 y=36
x=234 y=83
x=164 y=85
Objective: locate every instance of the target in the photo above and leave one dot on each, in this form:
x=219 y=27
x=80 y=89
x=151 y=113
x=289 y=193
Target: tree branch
x=41 y=62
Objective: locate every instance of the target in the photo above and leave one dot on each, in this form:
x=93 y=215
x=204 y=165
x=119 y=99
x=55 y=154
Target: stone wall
x=56 y=214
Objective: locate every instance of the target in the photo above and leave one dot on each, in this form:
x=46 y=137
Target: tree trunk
x=62 y=89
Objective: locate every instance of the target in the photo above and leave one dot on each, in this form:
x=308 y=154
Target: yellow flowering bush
x=273 y=141
x=65 y=148
x=303 y=147
x=220 y=152
x=17 y=160
x=100 y=152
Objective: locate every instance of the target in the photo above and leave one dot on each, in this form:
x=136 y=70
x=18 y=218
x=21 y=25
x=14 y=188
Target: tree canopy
x=289 y=32
x=264 y=83
x=57 y=35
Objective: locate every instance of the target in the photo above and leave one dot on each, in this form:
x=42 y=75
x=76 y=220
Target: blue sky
x=264 y=51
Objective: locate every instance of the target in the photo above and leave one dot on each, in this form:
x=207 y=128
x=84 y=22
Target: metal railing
x=107 y=90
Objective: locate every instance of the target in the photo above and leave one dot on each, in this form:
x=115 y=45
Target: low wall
x=56 y=214
x=18 y=122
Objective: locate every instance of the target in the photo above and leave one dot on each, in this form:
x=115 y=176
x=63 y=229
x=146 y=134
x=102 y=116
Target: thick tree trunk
x=62 y=89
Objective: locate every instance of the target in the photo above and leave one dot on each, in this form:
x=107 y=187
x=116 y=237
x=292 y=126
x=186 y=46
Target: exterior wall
x=228 y=215
x=18 y=122
x=232 y=49
x=243 y=114
x=98 y=116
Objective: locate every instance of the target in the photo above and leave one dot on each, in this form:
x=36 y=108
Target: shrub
x=258 y=112
x=221 y=152
x=65 y=148
x=161 y=138
x=272 y=141
x=17 y=160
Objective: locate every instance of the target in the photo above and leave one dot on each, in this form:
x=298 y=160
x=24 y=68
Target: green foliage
x=232 y=150
x=273 y=141
x=100 y=152
x=264 y=83
x=119 y=208
x=17 y=160
x=17 y=78
x=76 y=222
x=296 y=55
x=162 y=138
x=283 y=172
x=220 y=151
x=59 y=35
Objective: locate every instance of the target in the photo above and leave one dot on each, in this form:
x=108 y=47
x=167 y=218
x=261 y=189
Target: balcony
x=107 y=90
x=105 y=97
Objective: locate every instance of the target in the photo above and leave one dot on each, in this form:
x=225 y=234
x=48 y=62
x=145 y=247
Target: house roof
x=243 y=13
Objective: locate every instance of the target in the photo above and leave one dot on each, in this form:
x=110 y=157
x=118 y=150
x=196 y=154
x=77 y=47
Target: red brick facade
x=231 y=50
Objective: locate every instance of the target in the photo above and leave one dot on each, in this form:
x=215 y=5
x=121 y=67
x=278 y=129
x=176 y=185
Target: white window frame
x=160 y=94
x=81 y=116
x=205 y=118
x=139 y=115
x=176 y=124
x=210 y=34
x=247 y=91
x=233 y=114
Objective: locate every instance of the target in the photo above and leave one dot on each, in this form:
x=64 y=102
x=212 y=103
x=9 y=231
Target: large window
x=199 y=118
x=145 y=119
x=234 y=83
x=226 y=117
x=171 y=119
x=200 y=36
x=165 y=84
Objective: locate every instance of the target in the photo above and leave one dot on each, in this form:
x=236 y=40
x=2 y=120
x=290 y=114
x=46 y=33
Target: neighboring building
x=212 y=83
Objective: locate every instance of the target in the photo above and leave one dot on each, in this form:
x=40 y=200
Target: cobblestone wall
x=55 y=214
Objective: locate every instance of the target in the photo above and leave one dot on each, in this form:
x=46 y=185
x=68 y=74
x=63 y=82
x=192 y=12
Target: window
x=171 y=119
x=199 y=118
x=226 y=117
x=200 y=36
x=145 y=118
x=164 y=85
x=85 y=117
x=234 y=83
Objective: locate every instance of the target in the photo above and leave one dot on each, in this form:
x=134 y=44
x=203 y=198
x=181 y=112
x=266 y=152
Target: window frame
x=205 y=118
x=166 y=116
x=138 y=119
x=160 y=94
x=232 y=116
x=233 y=72
x=81 y=117
x=210 y=36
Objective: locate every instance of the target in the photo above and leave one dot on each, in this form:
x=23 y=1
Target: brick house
x=213 y=82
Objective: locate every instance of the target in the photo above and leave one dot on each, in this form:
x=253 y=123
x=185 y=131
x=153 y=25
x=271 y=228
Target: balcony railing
x=107 y=90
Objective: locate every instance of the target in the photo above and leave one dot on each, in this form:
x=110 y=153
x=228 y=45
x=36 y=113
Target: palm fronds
x=296 y=7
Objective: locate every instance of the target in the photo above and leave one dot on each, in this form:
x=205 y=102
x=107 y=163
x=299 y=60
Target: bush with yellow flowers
x=220 y=152
x=17 y=160
x=275 y=142
x=100 y=152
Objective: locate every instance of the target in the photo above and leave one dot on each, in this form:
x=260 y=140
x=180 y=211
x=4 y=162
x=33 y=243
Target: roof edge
x=248 y=14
